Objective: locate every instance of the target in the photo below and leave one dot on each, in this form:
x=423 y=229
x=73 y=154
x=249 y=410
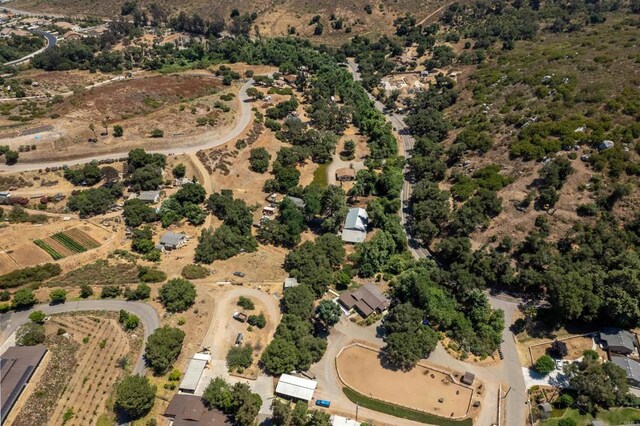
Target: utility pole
x=357 y=406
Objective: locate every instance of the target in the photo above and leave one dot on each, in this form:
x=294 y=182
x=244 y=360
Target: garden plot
x=67 y=243
x=103 y=344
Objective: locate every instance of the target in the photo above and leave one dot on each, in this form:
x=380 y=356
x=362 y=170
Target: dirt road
x=242 y=122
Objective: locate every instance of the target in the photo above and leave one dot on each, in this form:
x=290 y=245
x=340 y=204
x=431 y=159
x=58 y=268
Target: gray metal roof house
x=192 y=375
x=631 y=367
x=151 y=197
x=299 y=202
x=290 y=282
x=355 y=226
x=618 y=341
x=17 y=365
x=171 y=240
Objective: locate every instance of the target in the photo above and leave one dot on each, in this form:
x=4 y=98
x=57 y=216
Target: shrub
x=118 y=131
x=37 y=317
x=246 y=303
x=257 y=320
x=23 y=298
x=174 y=376
x=194 y=272
x=590 y=353
x=565 y=401
x=544 y=365
x=35 y=274
x=239 y=358
x=86 y=291
x=157 y=133
x=5 y=296
x=178 y=295
x=58 y=296
x=110 y=292
x=151 y=275
x=30 y=334
x=259 y=160
x=141 y=292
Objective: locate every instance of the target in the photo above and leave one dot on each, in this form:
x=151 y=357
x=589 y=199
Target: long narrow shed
x=194 y=371
x=296 y=387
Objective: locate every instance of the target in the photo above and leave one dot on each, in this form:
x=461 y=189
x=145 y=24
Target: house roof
x=171 y=239
x=296 y=387
x=357 y=219
x=194 y=370
x=290 y=282
x=299 y=202
x=365 y=299
x=618 y=338
x=189 y=410
x=345 y=172
x=149 y=195
x=630 y=366
x=17 y=365
x=343 y=421
x=352 y=236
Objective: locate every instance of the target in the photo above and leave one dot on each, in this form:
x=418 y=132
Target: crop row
x=69 y=242
x=50 y=250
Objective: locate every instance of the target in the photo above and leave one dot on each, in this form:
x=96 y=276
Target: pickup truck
x=240 y=316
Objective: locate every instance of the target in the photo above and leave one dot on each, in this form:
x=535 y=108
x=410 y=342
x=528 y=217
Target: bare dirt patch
x=420 y=388
x=575 y=345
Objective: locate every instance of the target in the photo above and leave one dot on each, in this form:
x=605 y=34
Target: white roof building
x=296 y=387
x=343 y=421
x=355 y=226
x=195 y=368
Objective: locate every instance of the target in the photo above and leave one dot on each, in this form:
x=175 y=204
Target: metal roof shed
x=194 y=371
x=296 y=387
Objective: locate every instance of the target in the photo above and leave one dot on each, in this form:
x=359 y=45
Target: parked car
x=239 y=274
x=239 y=339
x=323 y=403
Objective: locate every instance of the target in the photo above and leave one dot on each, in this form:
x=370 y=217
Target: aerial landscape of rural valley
x=314 y=213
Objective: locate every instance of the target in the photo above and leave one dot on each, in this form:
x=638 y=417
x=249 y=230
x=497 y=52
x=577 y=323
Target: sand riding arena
x=422 y=388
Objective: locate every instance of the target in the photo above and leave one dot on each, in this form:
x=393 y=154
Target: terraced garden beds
x=67 y=243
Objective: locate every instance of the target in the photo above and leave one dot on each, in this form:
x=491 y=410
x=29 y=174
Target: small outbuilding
x=345 y=174
x=299 y=202
x=189 y=410
x=290 y=282
x=468 y=378
x=150 y=197
x=618 y=341
x=296 y=388
x=343 y=421
x=192 y=375
x=172 y=240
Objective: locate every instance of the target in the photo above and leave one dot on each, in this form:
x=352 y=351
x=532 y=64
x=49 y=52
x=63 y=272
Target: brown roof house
x=345 y=174
x=189 y=410
x=366 y=300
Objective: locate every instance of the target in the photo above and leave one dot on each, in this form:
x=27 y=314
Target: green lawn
x=615 y=416
x=320 y=175
x=405 y=413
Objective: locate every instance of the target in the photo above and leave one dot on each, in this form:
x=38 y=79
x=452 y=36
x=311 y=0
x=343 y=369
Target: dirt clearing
x=421 y=388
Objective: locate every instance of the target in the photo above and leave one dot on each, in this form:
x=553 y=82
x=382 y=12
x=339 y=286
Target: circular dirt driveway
x=421 y=388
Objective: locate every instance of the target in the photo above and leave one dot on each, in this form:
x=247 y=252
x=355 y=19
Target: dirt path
x=431 y=15
x=207 y=142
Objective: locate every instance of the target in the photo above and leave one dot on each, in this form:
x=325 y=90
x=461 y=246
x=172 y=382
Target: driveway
x=10 y=322
x=241 y=123
x=223 y=328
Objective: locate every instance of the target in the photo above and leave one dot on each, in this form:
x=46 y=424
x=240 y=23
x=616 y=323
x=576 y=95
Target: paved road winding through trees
x=10 y=322
x=508 y=370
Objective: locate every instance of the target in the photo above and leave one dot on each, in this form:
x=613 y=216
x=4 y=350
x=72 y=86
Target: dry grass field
x=421 y=388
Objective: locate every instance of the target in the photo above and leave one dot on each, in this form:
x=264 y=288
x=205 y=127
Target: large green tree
x=135 y=396
x=178 y=295
x=163 y=347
